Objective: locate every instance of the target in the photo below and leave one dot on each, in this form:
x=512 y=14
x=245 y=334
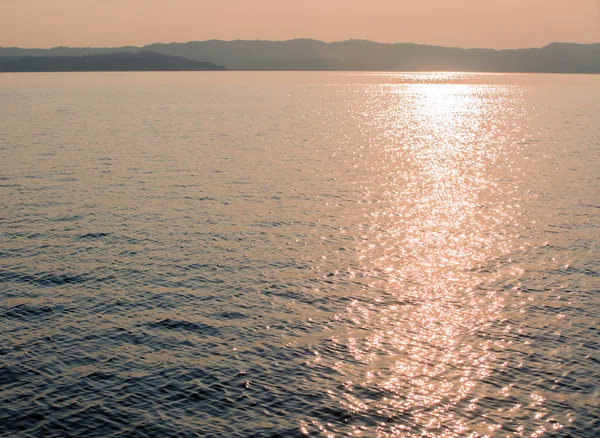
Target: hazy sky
x=465 y=23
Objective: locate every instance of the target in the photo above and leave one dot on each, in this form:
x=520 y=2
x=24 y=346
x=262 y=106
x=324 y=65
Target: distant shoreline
x=306 y=55
x=115 y=62
x=301 y=71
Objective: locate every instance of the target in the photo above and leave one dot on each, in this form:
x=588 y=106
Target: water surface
x=286 y=254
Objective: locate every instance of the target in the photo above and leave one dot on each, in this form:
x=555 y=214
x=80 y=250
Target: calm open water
x=284 y=254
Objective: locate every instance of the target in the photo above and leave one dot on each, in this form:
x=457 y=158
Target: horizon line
x=295 y=39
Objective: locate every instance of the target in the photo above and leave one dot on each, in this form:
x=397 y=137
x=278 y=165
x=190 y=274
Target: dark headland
x=307 y=54
x=141 y=61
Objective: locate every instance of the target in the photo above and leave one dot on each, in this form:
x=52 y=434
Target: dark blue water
x=288 y=254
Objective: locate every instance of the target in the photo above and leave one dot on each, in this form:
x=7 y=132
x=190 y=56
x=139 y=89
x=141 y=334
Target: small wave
x=27 y=311
x=91 y=236
x=68 y=218
x=196 y=327
x=47 y=279
x=10 y=374
x=231 y=315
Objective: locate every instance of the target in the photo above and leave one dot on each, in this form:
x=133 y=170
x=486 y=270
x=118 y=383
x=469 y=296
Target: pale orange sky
x=464 y=23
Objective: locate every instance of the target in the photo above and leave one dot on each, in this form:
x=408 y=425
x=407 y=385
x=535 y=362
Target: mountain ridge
x=356 y=54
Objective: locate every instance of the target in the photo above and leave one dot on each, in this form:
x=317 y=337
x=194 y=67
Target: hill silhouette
x=142 y=61
x=307 y=54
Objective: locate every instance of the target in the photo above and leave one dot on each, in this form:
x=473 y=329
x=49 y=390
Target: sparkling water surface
x=240 y=254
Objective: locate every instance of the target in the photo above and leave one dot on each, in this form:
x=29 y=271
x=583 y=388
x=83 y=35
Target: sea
x=289 y=254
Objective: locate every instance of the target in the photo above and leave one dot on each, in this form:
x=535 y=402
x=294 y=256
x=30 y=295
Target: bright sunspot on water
x=423 y=340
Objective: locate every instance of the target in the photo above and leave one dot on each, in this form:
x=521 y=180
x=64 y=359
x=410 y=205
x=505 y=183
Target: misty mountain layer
x=305 y=54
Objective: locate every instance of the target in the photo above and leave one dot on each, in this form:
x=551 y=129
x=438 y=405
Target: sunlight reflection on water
x=424 y=341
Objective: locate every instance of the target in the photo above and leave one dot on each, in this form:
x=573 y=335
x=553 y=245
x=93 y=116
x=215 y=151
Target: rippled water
x=279 y=254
